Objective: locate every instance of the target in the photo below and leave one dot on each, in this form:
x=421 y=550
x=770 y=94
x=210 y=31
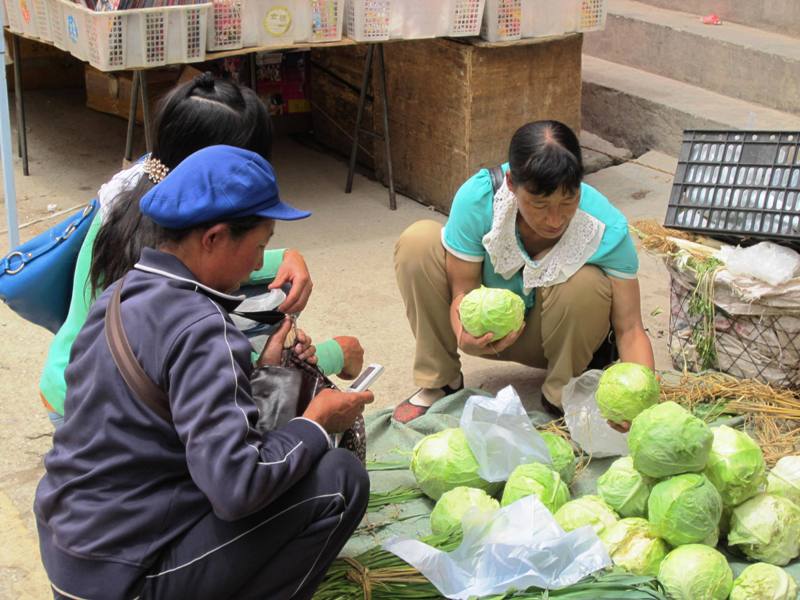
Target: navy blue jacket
x=122 y=483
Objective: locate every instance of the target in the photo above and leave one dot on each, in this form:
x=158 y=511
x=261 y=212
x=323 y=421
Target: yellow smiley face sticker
x=278 y=21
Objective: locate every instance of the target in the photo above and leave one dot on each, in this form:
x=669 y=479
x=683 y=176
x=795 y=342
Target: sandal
x=406 y=412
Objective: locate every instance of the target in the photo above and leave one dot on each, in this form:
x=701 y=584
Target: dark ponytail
x=199 y=113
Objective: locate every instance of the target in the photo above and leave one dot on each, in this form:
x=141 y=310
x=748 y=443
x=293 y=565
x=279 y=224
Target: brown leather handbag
x=281 y=392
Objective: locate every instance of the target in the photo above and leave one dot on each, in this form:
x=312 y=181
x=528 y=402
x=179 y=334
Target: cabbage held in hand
x=625 y=390
x=588 y=510
x=667 y=439
x=735 y=465
x=763 y=581
x=443 y=461
x=491 y=310
x=625 y=489
x=538 y=480
x=695 y=571
x=784 y=479
x=453 y=505
x=685 y=509
x=562 y=454
x=634 y=546
x=767 y=528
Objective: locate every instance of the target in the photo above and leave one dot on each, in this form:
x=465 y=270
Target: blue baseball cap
x=217 y=183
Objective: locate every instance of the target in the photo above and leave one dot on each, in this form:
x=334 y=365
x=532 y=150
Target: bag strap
x=497 y=178
x=13 y=262
x=129 y=367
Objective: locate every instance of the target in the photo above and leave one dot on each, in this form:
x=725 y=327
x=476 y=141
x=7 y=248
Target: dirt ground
x=348 y=245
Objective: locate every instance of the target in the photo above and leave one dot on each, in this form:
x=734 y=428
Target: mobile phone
x=366 y=379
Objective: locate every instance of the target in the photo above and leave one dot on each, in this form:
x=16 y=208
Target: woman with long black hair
x=199 y=113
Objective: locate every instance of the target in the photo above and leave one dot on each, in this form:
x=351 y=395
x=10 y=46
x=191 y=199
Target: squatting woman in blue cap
x=187 y=499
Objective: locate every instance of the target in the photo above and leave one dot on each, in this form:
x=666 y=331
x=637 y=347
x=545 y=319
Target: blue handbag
x=36 y=277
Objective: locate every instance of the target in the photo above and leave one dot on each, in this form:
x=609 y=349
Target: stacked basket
x=377 y=20
x=248 y=23
x=506 y=20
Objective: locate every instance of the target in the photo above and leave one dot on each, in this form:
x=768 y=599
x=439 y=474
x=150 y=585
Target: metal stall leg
x=22 y=134
x=132 y=118
x=386 y=137
x=148 y=139
x=362 y=99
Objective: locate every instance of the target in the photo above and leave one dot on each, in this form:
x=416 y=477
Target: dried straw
x=559 y=427
x=772 y=415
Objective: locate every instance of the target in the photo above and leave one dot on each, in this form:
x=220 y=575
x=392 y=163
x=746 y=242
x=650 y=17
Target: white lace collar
x=579 y=242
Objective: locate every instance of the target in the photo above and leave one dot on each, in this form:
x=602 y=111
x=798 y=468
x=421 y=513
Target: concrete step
x=780 y=16
x=738 y=61
x=642 y=111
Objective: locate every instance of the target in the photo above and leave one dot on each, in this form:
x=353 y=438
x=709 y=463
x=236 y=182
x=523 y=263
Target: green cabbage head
x=453 y=505
x=625 y=489
x=695 y=572
x=538 y=480
x=763 y=581
x=443 y=461
x=634 y=546
x=735 y=465
x=587 y=510
x=494 y=310
x=767 y=528
x=784 y=479
x=562 y=454
x=685 y=509
x=666 y=439
x=625 y=390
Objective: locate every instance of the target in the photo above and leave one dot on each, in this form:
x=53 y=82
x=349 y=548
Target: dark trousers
x=280 y=552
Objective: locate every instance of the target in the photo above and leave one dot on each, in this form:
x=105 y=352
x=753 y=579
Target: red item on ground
x=712 y=19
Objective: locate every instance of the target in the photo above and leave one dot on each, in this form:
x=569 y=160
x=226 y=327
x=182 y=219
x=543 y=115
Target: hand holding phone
x=366 y=379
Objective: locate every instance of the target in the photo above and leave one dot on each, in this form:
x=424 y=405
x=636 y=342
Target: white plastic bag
x=501 y=435
x=766 y=261
x=521 y=546
x=586 y=425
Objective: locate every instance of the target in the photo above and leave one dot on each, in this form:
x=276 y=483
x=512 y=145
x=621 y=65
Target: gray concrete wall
x=736 y=61
x=782 y=16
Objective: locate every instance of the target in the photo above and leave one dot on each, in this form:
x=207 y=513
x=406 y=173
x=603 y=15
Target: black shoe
x=606 y=354
x=551 y=409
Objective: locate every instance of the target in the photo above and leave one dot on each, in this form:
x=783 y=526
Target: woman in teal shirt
x=196 y=114
x=553 y=240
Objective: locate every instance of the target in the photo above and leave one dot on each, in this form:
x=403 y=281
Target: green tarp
x=390 y=444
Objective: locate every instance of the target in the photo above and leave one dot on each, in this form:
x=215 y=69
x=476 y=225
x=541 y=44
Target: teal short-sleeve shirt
x=471 y=219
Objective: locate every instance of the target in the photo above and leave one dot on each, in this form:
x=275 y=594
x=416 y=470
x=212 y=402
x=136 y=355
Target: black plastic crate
x=738 y=185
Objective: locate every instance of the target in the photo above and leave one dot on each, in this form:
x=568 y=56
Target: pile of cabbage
x=659 y=511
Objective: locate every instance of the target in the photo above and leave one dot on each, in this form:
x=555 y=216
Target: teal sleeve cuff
x=272 y=262
x=330 y=358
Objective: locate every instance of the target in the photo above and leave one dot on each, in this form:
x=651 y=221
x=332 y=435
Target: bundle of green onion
x=379 y=575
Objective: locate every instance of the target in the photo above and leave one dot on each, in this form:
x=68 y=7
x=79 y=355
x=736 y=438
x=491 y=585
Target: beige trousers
x=567 y=325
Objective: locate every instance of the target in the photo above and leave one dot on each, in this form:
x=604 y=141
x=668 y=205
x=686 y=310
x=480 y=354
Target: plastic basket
x=40 y=11
x=506 y=20
x=225 y=31
x=375 y=20
x=55 y=13
x=247 y=23
x=738 y=184
x=22 y=17
x=592 y=15
x=129 y=39
x=368 y=20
